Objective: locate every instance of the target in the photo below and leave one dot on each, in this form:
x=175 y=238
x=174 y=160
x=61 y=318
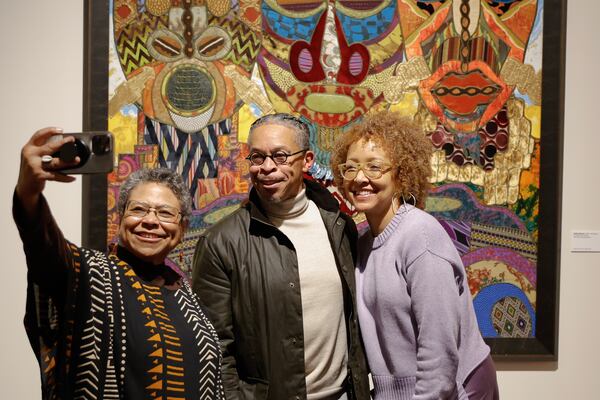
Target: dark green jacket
x=246 y=274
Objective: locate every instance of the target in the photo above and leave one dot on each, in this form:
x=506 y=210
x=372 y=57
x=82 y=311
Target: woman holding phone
x=118 y=325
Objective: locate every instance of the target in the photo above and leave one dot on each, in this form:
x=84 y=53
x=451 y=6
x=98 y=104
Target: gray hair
x=163 y=176
x=302 y=133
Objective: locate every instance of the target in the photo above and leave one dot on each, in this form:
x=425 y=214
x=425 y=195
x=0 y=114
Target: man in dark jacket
x=276 y=278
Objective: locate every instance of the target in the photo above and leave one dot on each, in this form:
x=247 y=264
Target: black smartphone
x=94 y=149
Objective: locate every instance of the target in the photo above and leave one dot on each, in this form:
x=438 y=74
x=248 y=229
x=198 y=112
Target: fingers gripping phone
x=94 y=149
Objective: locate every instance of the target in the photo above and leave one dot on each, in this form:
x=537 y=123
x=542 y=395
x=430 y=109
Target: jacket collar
x=314 y=191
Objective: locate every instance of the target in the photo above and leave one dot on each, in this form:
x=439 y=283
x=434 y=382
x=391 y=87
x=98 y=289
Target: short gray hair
x=163 y=176
x=302 y=133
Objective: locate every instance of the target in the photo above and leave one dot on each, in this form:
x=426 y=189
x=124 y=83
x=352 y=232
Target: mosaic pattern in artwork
x=188 y=77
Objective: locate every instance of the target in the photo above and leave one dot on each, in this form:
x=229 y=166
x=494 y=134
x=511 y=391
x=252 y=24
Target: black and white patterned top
x=101 y=331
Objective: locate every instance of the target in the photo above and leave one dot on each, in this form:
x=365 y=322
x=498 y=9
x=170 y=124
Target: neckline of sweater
x=288 y=209
x=380 y=239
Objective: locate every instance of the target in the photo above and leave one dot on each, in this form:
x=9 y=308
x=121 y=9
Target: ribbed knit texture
x=415 y=310
x=392 y=388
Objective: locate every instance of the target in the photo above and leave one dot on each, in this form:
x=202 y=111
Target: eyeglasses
x=164 y=213
x=278 y=157
x=371 y=170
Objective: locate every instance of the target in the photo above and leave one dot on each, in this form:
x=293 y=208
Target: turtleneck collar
x=287 y=208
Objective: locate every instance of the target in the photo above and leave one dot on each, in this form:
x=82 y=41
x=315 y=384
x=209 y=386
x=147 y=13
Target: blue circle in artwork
x=486 y=299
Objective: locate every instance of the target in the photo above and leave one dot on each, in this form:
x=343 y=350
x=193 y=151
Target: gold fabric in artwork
x=524 y=77
x=407 y=77
x=501 y=184
x=248 y=91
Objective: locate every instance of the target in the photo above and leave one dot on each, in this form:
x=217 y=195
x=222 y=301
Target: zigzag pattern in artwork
x=131 y=42
x=245 y=44
x=483 y=235
x=193 y=155
x=207 y=339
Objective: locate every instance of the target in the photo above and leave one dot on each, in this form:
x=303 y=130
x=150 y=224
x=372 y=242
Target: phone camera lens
x=100 y=144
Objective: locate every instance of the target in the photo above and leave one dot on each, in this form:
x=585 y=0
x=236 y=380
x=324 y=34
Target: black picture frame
x=544 y=347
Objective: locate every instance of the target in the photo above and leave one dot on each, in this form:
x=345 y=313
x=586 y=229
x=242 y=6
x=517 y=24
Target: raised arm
x=34 y=172
x=45 y=247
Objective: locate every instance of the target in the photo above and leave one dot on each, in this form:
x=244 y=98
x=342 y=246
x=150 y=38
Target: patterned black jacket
x=99 y=331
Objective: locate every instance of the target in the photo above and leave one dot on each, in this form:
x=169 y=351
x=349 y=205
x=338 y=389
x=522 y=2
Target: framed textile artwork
x=179 y=82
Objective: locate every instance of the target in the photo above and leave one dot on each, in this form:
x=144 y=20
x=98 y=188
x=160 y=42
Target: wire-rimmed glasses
x=372 y=170
x=164 y=213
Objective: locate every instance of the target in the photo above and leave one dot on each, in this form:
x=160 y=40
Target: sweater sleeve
x=435 y=308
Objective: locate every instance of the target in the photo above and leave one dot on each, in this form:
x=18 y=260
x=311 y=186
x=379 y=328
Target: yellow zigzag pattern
x=245 y=43
x=131 y=42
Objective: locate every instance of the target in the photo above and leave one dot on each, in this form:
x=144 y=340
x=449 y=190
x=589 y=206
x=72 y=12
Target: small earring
x=412 y=201
x=180 y=257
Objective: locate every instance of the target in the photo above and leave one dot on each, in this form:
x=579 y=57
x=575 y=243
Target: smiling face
x=147 y=237
x=374 y=197
x=273 y=182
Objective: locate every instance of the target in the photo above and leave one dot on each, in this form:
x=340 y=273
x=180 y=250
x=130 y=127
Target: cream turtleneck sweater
x=325 y=344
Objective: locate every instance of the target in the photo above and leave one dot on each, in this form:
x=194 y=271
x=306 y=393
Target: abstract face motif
x=174 y=54
x=328 y=60
x=466 y=44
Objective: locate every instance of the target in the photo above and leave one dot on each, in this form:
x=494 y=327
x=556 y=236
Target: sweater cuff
x=393 y=388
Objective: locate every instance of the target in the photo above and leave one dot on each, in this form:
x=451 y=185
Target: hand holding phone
x=94 y=149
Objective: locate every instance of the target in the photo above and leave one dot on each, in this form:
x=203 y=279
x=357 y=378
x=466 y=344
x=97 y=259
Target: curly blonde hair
x=403 y=141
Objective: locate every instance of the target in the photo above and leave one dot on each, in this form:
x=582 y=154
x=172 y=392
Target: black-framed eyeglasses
x=164 y=213
x=371 y=170
x=278 y=157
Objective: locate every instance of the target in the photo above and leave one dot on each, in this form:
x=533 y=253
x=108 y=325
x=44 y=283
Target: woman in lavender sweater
x=414 y=305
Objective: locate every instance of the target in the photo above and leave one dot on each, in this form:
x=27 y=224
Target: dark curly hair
x=405 y=144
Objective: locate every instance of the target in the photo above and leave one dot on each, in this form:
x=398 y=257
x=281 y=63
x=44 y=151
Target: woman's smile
x=147 y=237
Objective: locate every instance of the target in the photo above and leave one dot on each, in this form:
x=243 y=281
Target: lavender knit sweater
x=415 y=311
